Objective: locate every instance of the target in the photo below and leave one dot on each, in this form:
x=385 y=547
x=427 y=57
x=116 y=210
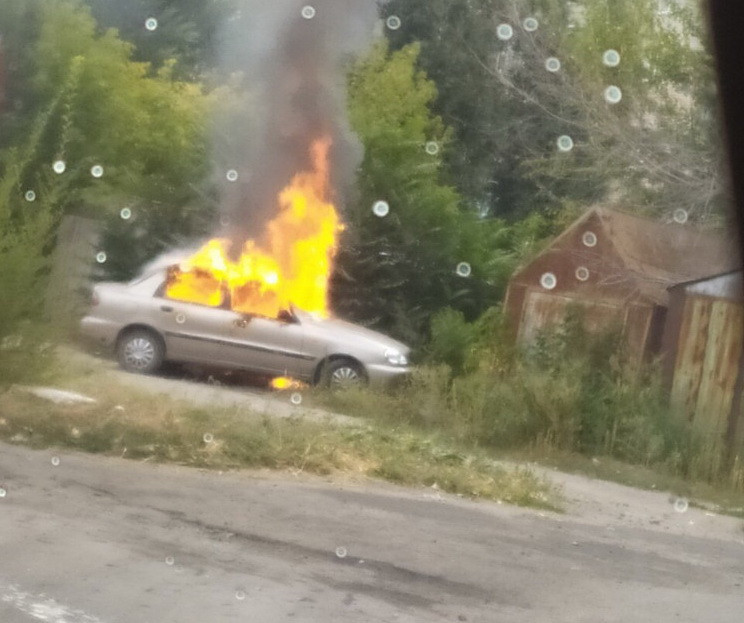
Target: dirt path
x=258 y=400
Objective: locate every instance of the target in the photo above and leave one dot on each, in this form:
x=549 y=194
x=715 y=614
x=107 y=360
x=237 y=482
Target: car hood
x=342 y=331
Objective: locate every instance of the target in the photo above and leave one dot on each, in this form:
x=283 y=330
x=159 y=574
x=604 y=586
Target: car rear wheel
x=140 y=351
x=344 y=374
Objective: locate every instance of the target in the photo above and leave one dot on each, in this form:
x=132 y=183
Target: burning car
x=260 y=305
x=146 y=328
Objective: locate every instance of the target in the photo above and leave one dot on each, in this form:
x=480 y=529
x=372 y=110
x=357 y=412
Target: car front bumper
x=381 y=375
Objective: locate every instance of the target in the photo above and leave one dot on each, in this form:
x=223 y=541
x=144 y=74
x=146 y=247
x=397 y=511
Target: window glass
x=510 y=386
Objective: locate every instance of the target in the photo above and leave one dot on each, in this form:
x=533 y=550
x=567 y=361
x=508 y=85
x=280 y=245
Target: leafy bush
x=572 y=391
x=452 y=338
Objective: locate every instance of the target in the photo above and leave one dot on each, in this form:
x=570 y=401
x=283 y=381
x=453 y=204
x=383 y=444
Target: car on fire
x=145 y=328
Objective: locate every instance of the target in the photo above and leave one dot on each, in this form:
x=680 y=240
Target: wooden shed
x=617 y=267
x=703 y=349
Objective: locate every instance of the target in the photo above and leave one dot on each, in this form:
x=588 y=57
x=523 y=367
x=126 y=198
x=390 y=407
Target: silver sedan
x=145 y=329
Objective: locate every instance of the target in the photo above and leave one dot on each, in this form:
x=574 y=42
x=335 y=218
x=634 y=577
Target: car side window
x=162 y=292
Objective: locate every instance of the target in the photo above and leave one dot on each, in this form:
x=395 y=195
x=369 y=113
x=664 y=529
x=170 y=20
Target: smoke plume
x=290 y=71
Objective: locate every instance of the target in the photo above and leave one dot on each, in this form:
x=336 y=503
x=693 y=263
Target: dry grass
x=139 y=426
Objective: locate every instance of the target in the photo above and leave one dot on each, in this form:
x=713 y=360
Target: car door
x=274 y=346
x=197 y=333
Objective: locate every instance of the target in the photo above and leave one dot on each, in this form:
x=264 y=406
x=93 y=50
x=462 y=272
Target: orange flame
x=294 y=268
x=285 y=382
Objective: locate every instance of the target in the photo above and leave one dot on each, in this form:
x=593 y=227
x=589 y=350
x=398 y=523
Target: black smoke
x=291 y=72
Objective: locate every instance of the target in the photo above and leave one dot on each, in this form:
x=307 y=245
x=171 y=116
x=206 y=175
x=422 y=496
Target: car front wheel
x=343 y=374
x=140 y=351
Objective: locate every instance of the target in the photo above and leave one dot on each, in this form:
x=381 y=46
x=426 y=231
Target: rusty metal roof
x=663 y=254
x=648 y=256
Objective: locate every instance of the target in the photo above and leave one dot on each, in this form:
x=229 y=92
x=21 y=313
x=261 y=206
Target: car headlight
x=395 y=357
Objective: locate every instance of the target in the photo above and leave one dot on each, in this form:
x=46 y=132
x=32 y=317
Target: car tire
x=140 y=351
x=343 y=374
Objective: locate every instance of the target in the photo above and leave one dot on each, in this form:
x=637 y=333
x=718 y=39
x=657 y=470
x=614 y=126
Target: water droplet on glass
x=393 y=22
x=611 y=58
x=296 y=399
x=208 y=437
x=240 y=595
x=548 y=281
x=308 y=11
x=565 y=143
x=170 y=561
x=75 y=433
x=589 y=239
x=55 y=461
x=681 y=216
x=224 y=221
x=101 y=258
x=681 y=505
x=30 y=196
x=464 y=270
x=232 y=175
x=126 y=214
x=3 y=492
x=151 y=24
x=180 y=318
x=97 y=171
x=341 y=552
x=582 y=273
x=530 y=24
x=59 y=167
x=504 y=32
x=381 y=209
x=432 y=148
x=613 y=95
x=552 y=64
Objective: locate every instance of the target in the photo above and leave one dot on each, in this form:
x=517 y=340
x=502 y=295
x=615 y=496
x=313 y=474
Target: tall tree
x=493 y=127
x=399 y=261
x=134 y=142
x=184 y=30
x=654 y=150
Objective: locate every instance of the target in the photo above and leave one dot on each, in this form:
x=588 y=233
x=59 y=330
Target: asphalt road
x=97 y=540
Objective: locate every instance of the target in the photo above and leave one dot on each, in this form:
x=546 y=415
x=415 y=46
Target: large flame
x=293 y=268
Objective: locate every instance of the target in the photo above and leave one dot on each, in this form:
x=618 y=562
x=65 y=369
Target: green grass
x=437 y=430
x=546 y=418
x=138 y=426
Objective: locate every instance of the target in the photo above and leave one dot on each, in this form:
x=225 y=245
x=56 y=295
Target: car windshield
x=371 y=310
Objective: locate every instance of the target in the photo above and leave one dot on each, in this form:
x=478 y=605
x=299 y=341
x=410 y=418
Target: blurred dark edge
x=727 y=24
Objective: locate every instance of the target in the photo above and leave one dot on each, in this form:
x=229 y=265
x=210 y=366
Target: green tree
x=187 y=30
x=148 y=131
x=654 y=151
x=657 y=149
x=494 y=128
x=26 y=231
x=396 y=269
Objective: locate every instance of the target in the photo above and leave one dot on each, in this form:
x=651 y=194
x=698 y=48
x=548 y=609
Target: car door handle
x=166 y=308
